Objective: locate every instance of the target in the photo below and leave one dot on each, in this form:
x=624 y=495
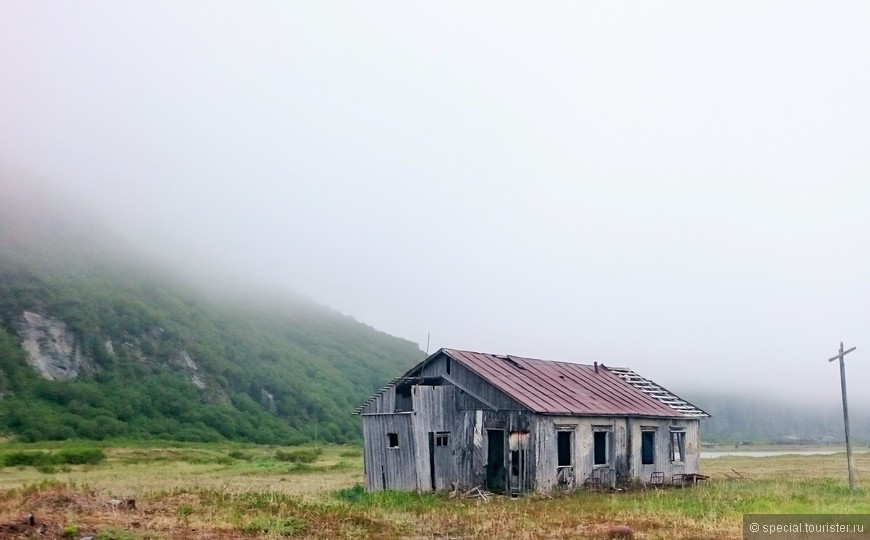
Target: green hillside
x=156 y=357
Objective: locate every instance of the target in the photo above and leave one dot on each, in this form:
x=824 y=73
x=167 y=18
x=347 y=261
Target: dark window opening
x=563 y=444
x=518 y=463
x=393 y=440
x=442 y=439
x=403 y=398
x=678 y=446
x=448 y=366
x=647 y=447
x=600 y=447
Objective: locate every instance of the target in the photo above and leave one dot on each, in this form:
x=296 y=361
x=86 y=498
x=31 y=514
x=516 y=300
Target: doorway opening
x=496 y=471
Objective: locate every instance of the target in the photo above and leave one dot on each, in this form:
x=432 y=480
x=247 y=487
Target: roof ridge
x=564 y=388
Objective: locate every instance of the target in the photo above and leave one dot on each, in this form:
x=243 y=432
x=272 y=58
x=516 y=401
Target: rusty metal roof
x=576 y=389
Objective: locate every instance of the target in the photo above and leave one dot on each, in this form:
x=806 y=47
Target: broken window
x=393 y=440
x=601 y=446
x=442 y=439
x=678 y=446
x=519 y=480
x=563 y=446
x=647 y=446
x=403 y=398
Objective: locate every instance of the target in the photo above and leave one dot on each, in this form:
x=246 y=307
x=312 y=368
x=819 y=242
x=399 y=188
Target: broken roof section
x=573 y=389
x=659 y=393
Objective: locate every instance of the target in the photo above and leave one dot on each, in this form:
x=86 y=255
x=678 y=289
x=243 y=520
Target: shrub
x=46 y=461
x=299 y=455
x=27 y=459
x=81 y=456
x=352 y=494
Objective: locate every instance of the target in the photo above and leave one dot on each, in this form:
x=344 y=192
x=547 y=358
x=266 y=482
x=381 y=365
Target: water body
x=712 y=454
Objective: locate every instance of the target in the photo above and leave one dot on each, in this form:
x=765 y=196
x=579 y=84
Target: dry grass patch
x=235 y=492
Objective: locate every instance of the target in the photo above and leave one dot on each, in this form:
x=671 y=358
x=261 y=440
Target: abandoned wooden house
x=462 y=419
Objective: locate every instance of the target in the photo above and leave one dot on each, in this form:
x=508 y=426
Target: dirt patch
x=63 y=500
x=29 y=527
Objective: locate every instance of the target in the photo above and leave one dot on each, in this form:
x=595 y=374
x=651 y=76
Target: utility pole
x=846 y=413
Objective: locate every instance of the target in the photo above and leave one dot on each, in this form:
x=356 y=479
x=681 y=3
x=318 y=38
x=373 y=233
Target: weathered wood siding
x=662 y=448
x=385 y=467
x=516 y=427
x=434 y=412
x=492 y=397
x=470 y=448
x=581 y=453
x=467 y=379
x=463 y=464
x=436 y=367
x=384 y=403
x=623 y=455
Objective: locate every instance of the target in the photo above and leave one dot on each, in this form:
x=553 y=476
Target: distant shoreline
x=779 y=450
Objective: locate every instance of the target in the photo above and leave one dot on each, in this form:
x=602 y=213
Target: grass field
x=225 y=491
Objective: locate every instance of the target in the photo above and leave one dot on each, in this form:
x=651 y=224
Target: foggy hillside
x=737 y=417
x=126 y=348
x=160 y=349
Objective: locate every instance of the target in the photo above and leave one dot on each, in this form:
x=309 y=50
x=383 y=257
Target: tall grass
x=391 y=500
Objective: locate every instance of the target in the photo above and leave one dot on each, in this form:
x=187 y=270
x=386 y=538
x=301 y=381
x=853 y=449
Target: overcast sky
x=682 y=188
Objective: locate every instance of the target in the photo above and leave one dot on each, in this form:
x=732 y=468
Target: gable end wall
x=466 y=378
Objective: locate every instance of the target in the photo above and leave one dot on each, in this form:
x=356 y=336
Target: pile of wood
x=474 y=493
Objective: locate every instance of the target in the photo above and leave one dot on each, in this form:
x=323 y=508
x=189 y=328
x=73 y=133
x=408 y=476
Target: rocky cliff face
x=56 y=353
x=183 y=361
x=52 y=350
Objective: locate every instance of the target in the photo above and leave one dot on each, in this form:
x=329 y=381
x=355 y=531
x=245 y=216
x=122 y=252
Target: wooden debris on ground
x=737 y=476
x=474 y=493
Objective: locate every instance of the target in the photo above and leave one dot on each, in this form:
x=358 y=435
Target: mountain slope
x=119 y=347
